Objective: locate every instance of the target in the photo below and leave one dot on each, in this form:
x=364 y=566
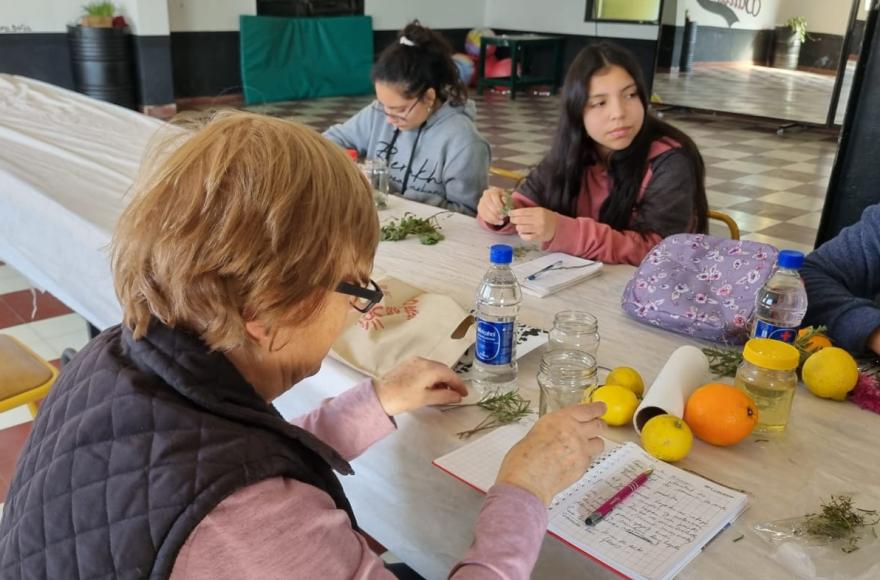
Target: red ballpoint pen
x=603 y=510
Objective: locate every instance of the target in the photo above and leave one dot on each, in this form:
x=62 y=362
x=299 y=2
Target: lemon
x=667 y=438
x=621 y=403
x=627 y=377
x=830 y=373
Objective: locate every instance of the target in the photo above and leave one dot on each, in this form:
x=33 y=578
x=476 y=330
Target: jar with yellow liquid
x=768 y=375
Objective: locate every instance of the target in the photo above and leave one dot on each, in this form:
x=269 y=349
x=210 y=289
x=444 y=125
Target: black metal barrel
x=102 y=63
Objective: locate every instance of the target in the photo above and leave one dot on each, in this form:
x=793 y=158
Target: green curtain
x=301 y=58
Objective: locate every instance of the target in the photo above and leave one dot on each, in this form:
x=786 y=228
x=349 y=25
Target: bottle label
x=494 y=342
x=766 y=330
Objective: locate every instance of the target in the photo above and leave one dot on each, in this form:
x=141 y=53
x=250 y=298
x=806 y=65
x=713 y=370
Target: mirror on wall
x=624 y=10
x=778 y=59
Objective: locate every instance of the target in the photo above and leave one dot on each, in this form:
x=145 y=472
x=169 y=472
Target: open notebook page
x=654 y=533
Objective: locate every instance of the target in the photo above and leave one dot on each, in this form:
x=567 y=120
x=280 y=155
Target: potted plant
x=98 y=15
x=101 y=55
x=789 y=39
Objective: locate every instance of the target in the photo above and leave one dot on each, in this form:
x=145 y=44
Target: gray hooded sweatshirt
x=445 y=163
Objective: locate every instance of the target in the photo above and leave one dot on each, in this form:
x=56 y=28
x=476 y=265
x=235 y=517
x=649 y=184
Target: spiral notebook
x=554 y=272
x=652 y=534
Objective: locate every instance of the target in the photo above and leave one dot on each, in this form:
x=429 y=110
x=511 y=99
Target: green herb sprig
x=503 y=408
x=723 y=362
x=427 y=229
x=508 y=203
x=839 y=520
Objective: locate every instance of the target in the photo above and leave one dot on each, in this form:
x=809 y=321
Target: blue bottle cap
x=501 y=254
x=790 y=259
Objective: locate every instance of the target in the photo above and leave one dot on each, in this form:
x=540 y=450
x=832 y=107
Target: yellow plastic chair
x=728 y=221
x=712 y=215
x=25 y=378
x=506 y=173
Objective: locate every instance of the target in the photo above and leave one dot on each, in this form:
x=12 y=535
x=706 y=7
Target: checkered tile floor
x=755 y=90
x=772 y=185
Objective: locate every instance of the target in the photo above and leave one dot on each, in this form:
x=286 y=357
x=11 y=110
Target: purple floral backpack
x=700 y=285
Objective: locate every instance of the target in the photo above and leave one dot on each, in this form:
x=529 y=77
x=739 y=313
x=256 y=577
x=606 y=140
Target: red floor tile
x=22 y=302
x=11 y=442
x=8 y=317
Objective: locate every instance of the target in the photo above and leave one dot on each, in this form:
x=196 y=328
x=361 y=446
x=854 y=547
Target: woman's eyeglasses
x=362 y=298
x=380 y=108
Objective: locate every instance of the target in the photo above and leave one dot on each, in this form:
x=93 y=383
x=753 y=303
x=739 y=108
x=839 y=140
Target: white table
x=426 y=517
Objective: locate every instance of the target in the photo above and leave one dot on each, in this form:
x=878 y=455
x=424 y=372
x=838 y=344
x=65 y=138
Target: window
x=633 y=11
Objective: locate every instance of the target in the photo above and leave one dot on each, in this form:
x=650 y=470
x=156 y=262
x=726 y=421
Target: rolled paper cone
x=686 y=369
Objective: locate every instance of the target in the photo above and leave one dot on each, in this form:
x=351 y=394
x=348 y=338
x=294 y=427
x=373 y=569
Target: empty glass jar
x=563 y=378
x=376 y=173
x=575 y=330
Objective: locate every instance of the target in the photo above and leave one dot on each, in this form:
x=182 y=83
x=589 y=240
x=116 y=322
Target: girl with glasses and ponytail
x=616 y=181
x=421 y=124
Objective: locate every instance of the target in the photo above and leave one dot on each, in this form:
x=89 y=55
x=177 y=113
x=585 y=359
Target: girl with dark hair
x=421 y=124
x=616 y=181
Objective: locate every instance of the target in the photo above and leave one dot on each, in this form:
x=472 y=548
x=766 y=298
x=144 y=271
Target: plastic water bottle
x=497 y=304
x=782 y=301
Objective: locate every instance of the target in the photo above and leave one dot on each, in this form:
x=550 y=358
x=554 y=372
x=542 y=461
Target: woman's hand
x=418 y=382
x=534 y=223
x=556 y=452
x=491 y=206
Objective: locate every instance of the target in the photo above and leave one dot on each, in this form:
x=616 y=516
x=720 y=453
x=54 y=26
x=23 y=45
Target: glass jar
x=768 y=375
x=376 y=173
x=575 y=330
x=564 y=376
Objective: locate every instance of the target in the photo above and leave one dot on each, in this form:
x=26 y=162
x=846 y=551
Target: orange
x=720 y=414
x=817 y=342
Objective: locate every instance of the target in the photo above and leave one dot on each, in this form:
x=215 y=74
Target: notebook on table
x=652 y=534
x=553 y=272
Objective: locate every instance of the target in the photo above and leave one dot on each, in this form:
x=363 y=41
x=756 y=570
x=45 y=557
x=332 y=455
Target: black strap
x=412 y=154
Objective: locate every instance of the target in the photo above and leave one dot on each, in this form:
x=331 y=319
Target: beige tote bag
x=408 y=322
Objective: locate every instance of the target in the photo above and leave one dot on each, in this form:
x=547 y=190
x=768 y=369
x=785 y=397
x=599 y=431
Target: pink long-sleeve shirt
x=282 y=528
x=587 y=237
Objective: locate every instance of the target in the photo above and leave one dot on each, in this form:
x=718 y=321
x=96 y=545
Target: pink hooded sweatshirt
x=665 y=206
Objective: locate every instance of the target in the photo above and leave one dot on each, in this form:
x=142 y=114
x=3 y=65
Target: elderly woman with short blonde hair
x=158 y=452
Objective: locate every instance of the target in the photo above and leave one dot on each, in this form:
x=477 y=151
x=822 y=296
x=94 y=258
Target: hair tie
x=406 y=42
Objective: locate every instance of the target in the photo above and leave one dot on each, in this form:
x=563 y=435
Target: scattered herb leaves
x=426 y=229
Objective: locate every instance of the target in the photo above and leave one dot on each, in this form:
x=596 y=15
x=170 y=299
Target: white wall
x=395 y=14
x=822 y=16
x=145 y=17
x=39 y=15
x=558 y=17
x=207 y=15
x=766 y=18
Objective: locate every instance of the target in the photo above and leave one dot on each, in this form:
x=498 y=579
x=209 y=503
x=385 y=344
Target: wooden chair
x=25 y=378
x=713 y=214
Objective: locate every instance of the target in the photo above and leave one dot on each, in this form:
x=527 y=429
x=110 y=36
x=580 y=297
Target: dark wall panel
x=205 y=64
x=45 y=57
x=152 y=57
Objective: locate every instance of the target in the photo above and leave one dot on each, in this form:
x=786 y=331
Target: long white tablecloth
x=426 y=517
x=66 y=164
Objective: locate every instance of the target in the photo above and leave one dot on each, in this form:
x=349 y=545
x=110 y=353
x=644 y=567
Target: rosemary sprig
x=503 y=408
x=520 y=251
x=839 y=520
x=723 y=362
x=508 y=202
x=427 y=229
